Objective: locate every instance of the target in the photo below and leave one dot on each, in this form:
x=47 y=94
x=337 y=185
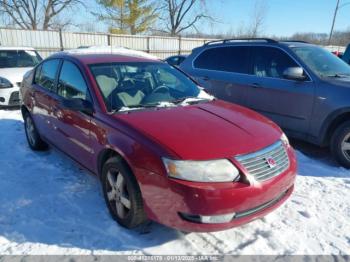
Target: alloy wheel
x=117 y=193
x=345 y=146
x=30 y=129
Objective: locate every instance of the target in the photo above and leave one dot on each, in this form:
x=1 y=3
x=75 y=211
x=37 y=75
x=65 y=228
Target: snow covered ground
x=50 y=206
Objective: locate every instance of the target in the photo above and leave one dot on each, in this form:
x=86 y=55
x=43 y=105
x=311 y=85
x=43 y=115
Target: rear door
x=287 y=102
x=44 y=87
x=72 y=128
x=224 y=72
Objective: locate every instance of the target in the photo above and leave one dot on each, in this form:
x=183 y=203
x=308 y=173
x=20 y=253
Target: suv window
x=47 y=74
x=271 y=62
x=71 y=83
x=230 y=59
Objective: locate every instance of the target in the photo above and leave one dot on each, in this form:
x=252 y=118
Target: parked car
x=14 y=63
x=175 y=60
x=302 y=87
x=163 y=148
x=346 y=55
x=338 y=54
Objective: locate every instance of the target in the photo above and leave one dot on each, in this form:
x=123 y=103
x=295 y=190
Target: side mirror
x=294 y=73
x=78 y=105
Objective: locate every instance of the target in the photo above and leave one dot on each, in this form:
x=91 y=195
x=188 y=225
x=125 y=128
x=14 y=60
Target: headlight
x=4 y=83
x=202 y=171
x=284 y=139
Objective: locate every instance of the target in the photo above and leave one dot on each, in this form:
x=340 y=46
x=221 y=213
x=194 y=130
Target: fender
x=331 y=122
x=132 y=152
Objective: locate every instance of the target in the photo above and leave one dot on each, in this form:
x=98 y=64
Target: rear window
x=229 y=59
x=19 y=58
x=47 y=75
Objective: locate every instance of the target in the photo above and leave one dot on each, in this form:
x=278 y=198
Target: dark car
x=163 y=148
x=302 y=87
x=346 y=55
x=175 y=60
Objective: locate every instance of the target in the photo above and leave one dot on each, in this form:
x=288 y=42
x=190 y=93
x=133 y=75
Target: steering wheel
x=161 y=87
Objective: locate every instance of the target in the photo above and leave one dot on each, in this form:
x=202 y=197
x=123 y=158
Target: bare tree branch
x=181 y=15
x=35 y=14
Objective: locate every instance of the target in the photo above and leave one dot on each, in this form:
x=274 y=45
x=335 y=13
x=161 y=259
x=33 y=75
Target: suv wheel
x=122 y=193
x=33 y=137
x=340 y=144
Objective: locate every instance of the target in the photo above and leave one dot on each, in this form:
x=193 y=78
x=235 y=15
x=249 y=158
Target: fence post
x=148 y=45
x=108 y=39
x=179 y=52
x=61 y=39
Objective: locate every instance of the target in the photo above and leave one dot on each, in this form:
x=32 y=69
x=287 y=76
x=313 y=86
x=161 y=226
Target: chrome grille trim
x=256 y=163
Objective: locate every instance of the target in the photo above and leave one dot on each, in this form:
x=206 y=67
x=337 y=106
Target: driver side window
x=271 y=62
x=71 y=83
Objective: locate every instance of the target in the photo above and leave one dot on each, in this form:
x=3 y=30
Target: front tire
x=340 y=144
x=33 y=137
x=122 y=193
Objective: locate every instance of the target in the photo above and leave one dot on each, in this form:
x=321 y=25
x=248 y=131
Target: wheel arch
x=106 y=154
x=332 y=122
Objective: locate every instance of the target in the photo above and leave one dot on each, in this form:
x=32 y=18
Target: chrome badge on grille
x=271 y=162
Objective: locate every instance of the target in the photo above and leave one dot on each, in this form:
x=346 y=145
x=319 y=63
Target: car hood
x=14 y=75
x=205 y=131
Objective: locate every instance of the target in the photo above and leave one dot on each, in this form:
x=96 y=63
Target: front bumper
x=166 y=200
x=10 y=96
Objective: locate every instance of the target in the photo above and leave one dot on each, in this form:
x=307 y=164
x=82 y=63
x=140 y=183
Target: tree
x=128 y=16
x=258 y=18
x=181 y=15
x=36 y=14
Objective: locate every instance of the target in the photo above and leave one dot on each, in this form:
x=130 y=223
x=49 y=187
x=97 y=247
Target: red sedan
x=163 y=148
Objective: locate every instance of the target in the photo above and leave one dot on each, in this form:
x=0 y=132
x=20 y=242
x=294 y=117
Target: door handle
x=205 y=78
x=57 y=112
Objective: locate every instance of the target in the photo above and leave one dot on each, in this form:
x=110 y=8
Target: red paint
x=198 y=132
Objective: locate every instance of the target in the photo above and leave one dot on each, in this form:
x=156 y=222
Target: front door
x=289 y=103
x=72 y=128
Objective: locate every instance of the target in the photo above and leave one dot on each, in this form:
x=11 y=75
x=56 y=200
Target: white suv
x=14 y=63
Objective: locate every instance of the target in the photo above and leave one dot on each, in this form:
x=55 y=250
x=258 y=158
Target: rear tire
x=32 y=134
x=122 y=193
x=340 y=144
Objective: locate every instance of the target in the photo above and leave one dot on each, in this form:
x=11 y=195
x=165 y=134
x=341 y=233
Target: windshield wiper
x=139 y=106
x=339 y=75
x=183 y=99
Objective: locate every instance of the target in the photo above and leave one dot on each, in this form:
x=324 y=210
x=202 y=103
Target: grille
x=261 y=207
x=14 y=98
x=266 y=163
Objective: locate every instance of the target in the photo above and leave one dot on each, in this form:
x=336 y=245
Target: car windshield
x=138 y=85
x=19 y=58
x=322 y=62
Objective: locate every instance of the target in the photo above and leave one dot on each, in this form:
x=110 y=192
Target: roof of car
x=253 y=41
x=104 y=54
x=16 y=48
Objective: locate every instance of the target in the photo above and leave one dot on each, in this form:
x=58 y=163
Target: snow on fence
x=48 y=42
